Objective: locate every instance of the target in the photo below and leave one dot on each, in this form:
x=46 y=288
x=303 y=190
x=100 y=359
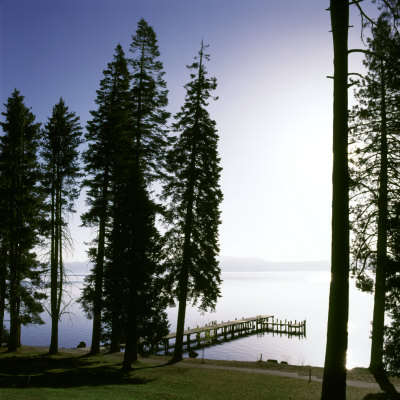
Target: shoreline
x=355 y=376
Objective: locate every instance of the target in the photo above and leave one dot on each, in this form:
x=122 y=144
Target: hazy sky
x=274 y=113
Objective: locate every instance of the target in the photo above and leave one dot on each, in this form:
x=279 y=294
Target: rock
x=81 y=345
x=193 y=354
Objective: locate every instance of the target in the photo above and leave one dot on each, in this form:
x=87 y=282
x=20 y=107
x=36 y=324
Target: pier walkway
x=211 y=333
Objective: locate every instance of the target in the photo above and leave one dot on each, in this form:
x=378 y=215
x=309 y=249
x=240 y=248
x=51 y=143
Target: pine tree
x=140 y=245
x=22 y=219
x=149 y=102
x=375 y=178
x=193 y=194
x=110 y=123
x=391 y=358
x=60 y=141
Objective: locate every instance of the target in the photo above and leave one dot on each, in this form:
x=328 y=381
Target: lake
x=299 y=295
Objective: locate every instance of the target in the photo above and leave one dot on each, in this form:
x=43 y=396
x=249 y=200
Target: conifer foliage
x=136 y=270
x=375 y=178
x=149 y=102
x=61 y=169
x=375 y=150
x=127 y=139
x=142 y=246
x=193 y=197
x=106 y=131
x=21 y=222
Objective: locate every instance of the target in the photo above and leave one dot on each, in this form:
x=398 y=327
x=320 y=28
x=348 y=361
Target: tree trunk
x=14 y=281
x=14 y=314
x=115 y=334
x=334 y=382
x=183 y=283
x=3 y=278
x=54 y=273
x=14 y=339
x=98 y=282
x=131 y=337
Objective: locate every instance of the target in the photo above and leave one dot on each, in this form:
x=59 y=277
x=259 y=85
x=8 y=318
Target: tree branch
x=362 y=12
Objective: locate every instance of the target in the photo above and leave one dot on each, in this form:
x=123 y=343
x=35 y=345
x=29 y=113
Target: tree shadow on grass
x=22 y=372
x=378 y=396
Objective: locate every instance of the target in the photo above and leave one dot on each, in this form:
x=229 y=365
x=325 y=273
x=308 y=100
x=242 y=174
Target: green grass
x=68 y=376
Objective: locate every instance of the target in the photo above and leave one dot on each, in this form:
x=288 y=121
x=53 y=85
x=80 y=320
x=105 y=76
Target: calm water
x=286 y=295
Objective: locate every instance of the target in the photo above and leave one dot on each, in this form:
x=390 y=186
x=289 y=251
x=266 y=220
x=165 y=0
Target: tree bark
x=3 y=277
x=130 y=355
x=53 y=262
x=115 y=333
x=182 y=299
x=54 y=278
x=15 y=252
x=98 y=283
x=334 y=381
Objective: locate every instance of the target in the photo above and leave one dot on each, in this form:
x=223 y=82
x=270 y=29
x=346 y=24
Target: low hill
x=239 y=264
x=230 y=264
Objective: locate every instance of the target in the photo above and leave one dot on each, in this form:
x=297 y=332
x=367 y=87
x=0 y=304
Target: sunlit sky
x=274 y=114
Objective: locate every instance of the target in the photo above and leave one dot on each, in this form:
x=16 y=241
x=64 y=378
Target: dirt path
x=184 y=364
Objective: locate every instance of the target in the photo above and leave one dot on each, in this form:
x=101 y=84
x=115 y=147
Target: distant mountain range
x=78 y=267
x=231 y=264
x=252 y=264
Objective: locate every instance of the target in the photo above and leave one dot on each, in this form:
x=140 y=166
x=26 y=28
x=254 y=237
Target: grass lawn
x=34 y=376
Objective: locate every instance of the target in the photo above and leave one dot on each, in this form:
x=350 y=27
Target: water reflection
x=286 y=295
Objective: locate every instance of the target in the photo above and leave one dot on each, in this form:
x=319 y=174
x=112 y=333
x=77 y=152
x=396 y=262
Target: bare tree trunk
x=334 y=383
x=54 y=279
x=183 y=283
x=15 y=273
x=14 y=314
x=3 y=278
x=115 y=334
x=131 y=337
x=99 y=270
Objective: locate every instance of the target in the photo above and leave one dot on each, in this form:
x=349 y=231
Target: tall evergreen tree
x=334 y=381
x=60 y=141
x=127 y=251
x=136 y=214
x=21 y=204
x=111 y=122
x=375 y=178
x=193 y=193
x=391 y=354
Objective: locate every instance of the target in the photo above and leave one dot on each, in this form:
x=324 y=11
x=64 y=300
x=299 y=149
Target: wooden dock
x=212 y=333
